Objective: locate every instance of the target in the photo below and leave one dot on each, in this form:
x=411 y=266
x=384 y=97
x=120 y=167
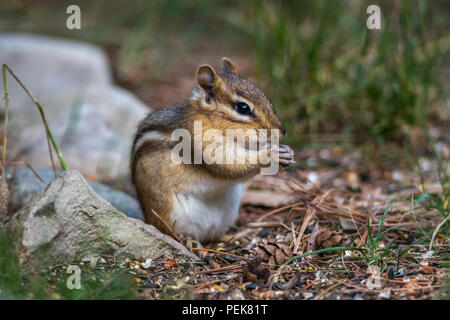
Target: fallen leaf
x=213 y=264
x=428 y=270
x=169 y=264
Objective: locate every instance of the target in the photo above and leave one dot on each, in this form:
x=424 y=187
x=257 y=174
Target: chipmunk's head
x=231 y=101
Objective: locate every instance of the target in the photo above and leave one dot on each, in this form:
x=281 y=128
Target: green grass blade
x=321 y=251
x=381 y=221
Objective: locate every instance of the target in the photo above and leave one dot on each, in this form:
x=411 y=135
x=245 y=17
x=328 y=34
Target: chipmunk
x=201 y=200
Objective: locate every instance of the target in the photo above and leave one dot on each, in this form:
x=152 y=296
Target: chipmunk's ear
x=228 y=66
x=206 y=76
x=208 y=80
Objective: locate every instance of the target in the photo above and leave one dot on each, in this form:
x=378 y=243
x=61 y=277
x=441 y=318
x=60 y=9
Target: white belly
x=207 y=210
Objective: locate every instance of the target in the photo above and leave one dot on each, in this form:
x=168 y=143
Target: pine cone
x=328 y=239
x=274 y=253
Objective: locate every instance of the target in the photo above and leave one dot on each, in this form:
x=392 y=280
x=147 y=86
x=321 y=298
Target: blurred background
x=333 y=82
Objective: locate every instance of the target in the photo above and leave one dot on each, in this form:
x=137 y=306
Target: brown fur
x=156 y=177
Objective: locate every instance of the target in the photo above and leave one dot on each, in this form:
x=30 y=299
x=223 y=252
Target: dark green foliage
x=96 y=283
x=329 y=74
x=11 y=284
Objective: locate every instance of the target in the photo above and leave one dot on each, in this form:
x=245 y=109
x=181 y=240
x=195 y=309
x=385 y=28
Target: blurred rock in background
x=92 y=120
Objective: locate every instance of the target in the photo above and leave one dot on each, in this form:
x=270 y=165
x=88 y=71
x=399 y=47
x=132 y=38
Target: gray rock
x=69 y=222
x=92 y=120
x=24 y=185
x=119 y=200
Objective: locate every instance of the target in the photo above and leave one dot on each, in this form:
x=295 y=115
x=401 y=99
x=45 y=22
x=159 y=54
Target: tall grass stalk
x=5 y=128
x=48 y=132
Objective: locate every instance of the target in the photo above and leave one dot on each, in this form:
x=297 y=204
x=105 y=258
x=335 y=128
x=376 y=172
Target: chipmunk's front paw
x=285 y=155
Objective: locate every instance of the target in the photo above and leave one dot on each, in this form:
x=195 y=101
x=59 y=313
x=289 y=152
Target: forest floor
x=369 y=229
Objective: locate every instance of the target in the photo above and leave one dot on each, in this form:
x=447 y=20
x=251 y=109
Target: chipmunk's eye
x=242 y=108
